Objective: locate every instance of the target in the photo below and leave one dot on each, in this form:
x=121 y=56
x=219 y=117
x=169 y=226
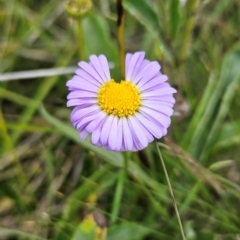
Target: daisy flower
x=123 y=116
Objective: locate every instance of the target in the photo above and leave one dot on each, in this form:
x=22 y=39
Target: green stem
x=119 y=190
x=171 y=192
x=80 y=39
x=120 y=38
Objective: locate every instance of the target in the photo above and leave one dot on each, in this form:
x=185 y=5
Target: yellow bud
x=78 y=8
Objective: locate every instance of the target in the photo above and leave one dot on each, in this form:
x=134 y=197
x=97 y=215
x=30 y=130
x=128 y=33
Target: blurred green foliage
x=47 y=174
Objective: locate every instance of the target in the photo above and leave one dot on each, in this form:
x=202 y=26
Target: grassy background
x=50 y=180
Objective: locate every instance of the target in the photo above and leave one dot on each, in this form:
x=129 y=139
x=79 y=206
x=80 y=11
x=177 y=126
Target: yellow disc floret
x=120 y=99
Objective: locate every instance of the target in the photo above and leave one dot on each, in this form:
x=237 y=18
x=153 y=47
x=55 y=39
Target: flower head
x=123 y=116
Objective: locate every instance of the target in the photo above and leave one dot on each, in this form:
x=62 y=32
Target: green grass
x=50 y=180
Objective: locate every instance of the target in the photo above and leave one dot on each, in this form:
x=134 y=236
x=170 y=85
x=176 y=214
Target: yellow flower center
x=120 y=99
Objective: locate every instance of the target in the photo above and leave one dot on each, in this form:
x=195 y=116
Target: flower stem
x=171 y=192
x=120 y=37
x=119 y=190
x=80 y=39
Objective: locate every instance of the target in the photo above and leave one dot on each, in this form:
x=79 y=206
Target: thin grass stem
x=171 y=192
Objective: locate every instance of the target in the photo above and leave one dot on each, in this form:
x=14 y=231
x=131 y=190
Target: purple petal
x=83 y=134
x=134 y=64
x=153 y=82
x=128 y=58
x=86 y=120
x=92 y=126
x=72 y=89
x=140 y=138
x=82 y=85
x=98 y=144
x=144 y=63
x=152 y=126
x=79 y=112
x=169 y=99
x=95 y=139
x=81 y=94
x=156 y=87
x=91 y=70
x=119 y=134
x=139 y=65
x=127 y=136
x=148 y=135
x=160 y=108
x=82 y=74
x=163 y=119
x=156 y=103
x=112 y=138
x=149 y=70
x=105 y=130
x=150 y=74
x=105 y=66
x=158 y=92
x=165 y=98
x=96 y=64
x=81 y=102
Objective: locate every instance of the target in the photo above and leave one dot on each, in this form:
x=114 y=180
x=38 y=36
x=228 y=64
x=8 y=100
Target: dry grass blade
x=38 y=73
x=198 y=170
